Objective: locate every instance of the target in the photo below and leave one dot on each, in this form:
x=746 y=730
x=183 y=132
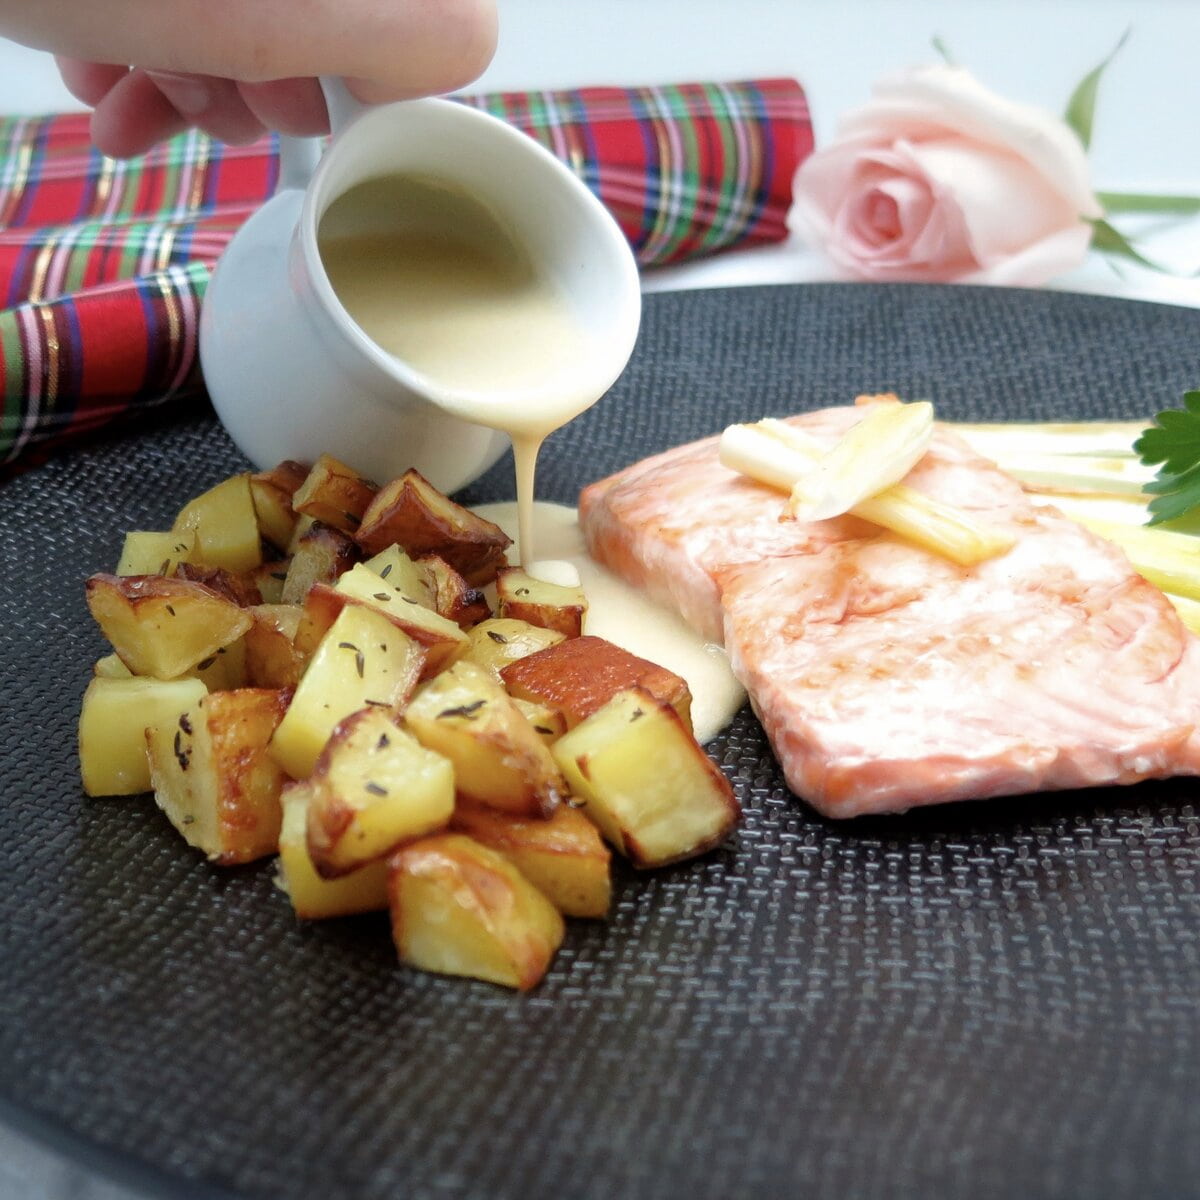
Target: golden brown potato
x=459 y=908
x=223 y=671
x=148 y=553
x=496 y=642
x=111 y=667
x=334 y=494
x=520 y=596
x=363 y=660
x=163 y=627
x=646 y=782
x=269 y=580
x=320 y=555
x=271 y=492
x=113 y=721
x=374 y=787
x=454 y=597
x=225 y=524
x=464 y=714
x=443 y=640
x=548 y=723
x=563 y=857
x=213 y=777
x=312 y=897
x=399 y=571
x=237 y=588
x=272 y=659
x=580 y=675
x=411 y=513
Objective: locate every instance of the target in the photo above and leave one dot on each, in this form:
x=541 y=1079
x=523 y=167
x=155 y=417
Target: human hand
x=236 y=68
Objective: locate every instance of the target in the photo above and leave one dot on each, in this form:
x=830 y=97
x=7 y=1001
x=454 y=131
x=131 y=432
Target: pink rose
x=936 y=178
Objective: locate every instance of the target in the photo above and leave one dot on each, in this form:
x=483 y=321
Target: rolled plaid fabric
x=103 y=264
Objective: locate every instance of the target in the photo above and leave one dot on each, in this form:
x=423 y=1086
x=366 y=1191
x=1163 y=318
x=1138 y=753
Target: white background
x=1147 y=137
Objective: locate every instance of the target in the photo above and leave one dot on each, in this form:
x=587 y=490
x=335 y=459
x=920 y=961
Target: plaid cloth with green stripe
x=103 y=264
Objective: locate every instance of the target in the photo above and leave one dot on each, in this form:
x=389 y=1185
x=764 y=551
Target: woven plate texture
x=992 y=999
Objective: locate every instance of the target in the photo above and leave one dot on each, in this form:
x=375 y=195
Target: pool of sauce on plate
x=431 y=276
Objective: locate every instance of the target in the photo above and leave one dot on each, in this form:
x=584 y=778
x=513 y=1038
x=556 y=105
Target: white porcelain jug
x=291 y=375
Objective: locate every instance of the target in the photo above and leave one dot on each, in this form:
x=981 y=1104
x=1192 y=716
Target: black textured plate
x=990 y=999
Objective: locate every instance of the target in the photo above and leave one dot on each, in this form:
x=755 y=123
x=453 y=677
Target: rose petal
x=920 y=103
x=1005 y=204
x=1039 y=263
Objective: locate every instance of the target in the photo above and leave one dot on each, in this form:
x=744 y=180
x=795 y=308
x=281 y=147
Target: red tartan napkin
x=103 y=264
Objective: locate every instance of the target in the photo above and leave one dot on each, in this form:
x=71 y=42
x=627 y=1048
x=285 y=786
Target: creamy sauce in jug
x=435 y=279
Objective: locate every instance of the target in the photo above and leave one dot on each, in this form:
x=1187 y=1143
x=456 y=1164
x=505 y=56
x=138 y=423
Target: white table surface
x=1147 y=138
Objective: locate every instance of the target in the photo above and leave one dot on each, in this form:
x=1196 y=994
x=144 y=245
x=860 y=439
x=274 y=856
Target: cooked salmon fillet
x=887 y=677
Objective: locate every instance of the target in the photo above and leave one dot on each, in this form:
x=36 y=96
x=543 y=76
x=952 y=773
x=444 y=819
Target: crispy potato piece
x=225 y=524
x=374 y=787
x=272 y=659
x=223 y=671
x=214 y=778
x=113 y=721
x=496 y=642
x=269 y=580
x=163 y=627
x=320 y=556
x=498 y=759
x=147 y=553
x=459 y=908
x=442 y=639
x=312 y=897
x=237 y=588
x=271 y=492
x=581 y=675
x=400 y=571
x=364 y=659
x=548 y=723
x=563 y=857
x=647 y=783
x=411 y=513
x=520 y=596
x=454 y=597
x=334 y=494
x=111 y=667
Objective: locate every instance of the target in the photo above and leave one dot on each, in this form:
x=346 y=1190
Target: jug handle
x=298 y=156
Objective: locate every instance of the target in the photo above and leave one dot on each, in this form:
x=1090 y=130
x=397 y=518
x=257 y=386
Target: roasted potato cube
x=400 y=571
x=442 y=639
x=225 y=670
x=563 y=857
x=363 y=660
x=454 y=597
x=319 y=556
x=459 y=908
x=411 y=513
x=494 y=643
x=374 y=786
x=112 y=729
x=237 y=588
x=269 y=580
x=646 y=782
x=147 y=553
x=581 y=675
x=111 y=667
x=548 y=723
x=213 y=777
x=498 y=759
x=272 y=659
x=312 y=897
x=225 y=524
x=271 y=492
x=334 y=494
x=520 y=596
x=163 y=627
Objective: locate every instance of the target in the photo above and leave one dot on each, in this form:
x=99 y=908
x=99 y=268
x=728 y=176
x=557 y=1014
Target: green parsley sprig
x=1174 y=441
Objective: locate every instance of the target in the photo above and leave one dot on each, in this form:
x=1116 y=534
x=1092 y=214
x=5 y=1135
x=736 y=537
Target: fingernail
x=189 y=95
